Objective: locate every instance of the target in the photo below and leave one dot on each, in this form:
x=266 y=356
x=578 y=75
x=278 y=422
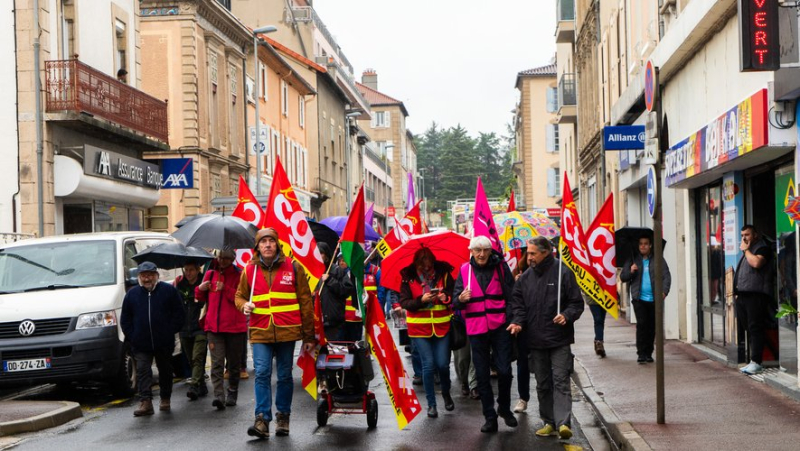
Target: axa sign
x=623 y=137
x=178 y=173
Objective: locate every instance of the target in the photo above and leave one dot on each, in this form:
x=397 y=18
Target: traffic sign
x=390 y=211
x=650 y=155
x=652 y=191
x=263 y=141
x=650 y=85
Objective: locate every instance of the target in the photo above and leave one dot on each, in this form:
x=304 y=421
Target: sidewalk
x=708 y=405
x=17 y=417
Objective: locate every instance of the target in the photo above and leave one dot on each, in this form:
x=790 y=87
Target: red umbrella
x=447 y=246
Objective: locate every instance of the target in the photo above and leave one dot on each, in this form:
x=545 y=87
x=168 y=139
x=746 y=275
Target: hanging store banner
x=740 y=130
x=623 y=137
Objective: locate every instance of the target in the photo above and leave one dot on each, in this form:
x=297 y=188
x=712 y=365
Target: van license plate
x=11 y=366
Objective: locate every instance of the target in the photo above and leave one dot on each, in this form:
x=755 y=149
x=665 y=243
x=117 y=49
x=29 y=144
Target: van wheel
x=124 y=383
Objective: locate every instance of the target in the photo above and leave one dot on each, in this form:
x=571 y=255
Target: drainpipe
x=246 y=131
x=37 y=87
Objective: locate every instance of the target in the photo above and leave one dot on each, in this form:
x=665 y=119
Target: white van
x=60 y=302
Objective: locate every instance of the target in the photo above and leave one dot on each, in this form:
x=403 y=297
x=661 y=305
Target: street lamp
x=256 y=69
x=347 y=118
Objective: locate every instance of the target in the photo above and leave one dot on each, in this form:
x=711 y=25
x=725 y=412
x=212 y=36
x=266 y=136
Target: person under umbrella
x=426 y=294
x=226 y=327
x=336 y=287
x=193 y=338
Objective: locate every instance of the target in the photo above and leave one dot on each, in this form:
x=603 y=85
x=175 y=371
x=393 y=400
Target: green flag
x=352 y=246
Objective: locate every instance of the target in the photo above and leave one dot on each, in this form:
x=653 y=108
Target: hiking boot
x=464 y=390
x=449 y=405
x=192 y=393
x=219 y=402
x=233 y=395
x=509 y=419
x=243 y=375
x=599 y=349
x=752 y=368
x=521 y=406
x=260 y=428
x=564 y=432
x=489 y=426
x=546 y=431
x=432 y=412
x=202 y=389
x=281 y=424
x=145 y=408
x=164 y=406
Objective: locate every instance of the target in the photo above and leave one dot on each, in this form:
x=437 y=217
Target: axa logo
x=26 y=328
x=176 y=181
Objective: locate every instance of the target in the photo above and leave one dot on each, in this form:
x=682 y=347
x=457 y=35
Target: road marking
x=106 y=405
x=573 y=448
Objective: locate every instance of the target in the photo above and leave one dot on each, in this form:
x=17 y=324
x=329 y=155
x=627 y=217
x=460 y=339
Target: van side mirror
x=133 y=277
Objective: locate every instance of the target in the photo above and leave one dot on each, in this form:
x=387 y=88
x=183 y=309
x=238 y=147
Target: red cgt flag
x=512 y=205
x=603 y=254
x=249 y=210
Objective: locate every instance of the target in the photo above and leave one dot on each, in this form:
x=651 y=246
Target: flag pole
x=328 y=270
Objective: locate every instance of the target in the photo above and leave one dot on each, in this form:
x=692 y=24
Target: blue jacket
x=150 y=319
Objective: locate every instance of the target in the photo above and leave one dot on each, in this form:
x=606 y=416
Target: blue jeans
x=434 y=352
x=599 y=316
x=283 y=353
x=416 y=360
x=499 y=340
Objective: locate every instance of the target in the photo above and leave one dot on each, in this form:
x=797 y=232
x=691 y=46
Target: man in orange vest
x=274 y=291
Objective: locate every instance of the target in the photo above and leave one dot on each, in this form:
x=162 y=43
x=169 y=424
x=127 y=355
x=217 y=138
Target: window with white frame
x=284 y=98
x=381 y=119
x=262 y=77
x=552 y=100
x=301 y=111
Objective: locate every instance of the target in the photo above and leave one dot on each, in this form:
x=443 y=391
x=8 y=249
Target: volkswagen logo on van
x=26 y=328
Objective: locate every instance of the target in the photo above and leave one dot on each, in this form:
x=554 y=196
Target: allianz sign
x=623 y=137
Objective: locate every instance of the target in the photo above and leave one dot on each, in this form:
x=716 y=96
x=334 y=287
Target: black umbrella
x=189 y=219
x=324 y=234
x=217 y=232
x=626 y=242
x=173 y=255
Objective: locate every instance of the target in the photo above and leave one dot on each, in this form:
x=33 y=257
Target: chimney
x=370 y=79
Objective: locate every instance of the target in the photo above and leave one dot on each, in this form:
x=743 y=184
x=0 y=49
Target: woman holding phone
x=426 y=294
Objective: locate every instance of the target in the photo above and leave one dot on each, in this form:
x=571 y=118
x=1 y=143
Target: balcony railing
x=74 y=86
x=565 y=10
x=369 y=194
x=566 y=90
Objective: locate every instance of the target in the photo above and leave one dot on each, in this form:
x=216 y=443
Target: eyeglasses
x=482 y=251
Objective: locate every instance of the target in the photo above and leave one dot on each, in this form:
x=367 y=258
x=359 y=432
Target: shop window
x=121 y=45
x=712 y=271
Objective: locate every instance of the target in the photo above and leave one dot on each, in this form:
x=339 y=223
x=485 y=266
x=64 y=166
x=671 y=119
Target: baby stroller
x=344 y=370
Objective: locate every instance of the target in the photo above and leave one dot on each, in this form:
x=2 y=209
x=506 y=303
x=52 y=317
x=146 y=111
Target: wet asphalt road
x=108 y=423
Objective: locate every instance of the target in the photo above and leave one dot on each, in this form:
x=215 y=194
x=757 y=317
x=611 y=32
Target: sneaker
x=599 y=349
x=449 y=405
x=145 y=408
x=202 y=389
x=219 y=403
x=521 y=406
x=243 y=375
x=546 y=431
x=509 y=419
x=489 y=426
x=641 y=360
x=281 y=424
x=416 y=380
x=260 y=428
x=233 y=395
x=752 y=368
x=649 y=359
x=432 y=412
x=564 y=432
x=164 y=406
x=192 y=393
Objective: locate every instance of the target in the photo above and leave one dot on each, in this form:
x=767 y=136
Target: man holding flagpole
x=274 y=291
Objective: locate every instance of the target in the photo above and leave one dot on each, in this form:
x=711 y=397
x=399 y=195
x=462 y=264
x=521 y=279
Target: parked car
x=60 y=303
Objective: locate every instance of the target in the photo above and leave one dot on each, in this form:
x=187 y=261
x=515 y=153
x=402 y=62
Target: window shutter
x=551 y=138
x=551 y=182
x=374 y=121
x=387 y=119
x=551 y=100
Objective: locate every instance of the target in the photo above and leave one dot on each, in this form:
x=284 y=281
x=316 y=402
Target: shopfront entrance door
x=786 y=268
x=713 y=309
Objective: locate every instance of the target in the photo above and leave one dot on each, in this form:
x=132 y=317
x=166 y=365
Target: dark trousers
x=196 y=349
x=225 y=347
x=599 y=317
x=144 y=372
x=523 y=368
x=552 y=367
x=499 y=342
x=351 y=331
x=751 y=312
x=645 y=327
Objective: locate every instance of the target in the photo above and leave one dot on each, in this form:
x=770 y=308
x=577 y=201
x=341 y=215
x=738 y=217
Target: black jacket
x=441 y=271
x=334 y=294
x=534 y=302
x=484 y=275
x=150 y=319
x=635 y=278
x=192 y=309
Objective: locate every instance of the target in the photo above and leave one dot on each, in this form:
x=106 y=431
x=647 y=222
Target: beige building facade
x=537 y=138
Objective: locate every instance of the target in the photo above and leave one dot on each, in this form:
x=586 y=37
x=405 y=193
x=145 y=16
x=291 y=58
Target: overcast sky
x=449 y=61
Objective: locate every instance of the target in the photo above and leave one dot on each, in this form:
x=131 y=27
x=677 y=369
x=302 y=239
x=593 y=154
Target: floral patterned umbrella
x=517 y=227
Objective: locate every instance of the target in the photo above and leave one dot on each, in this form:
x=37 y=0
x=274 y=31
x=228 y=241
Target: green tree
x=459 y=164
x=488 y=152
x=429 y=146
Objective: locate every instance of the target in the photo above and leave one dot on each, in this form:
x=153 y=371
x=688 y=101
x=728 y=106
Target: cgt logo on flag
x=178 y=173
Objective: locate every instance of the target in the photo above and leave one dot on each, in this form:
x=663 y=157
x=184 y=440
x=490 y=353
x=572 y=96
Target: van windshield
x=53 y=266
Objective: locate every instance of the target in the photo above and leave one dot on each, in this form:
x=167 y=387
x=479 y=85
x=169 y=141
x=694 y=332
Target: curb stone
x=68 y=412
